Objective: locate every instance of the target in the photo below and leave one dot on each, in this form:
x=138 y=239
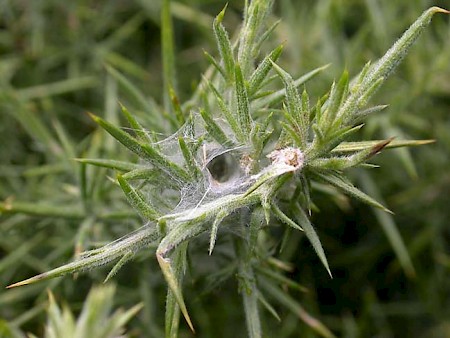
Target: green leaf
x=189 y=158
x=214 y=63
x=337 y=96
x=286 y=300
x=370 y=91
x=244 y=118
x=348 y=147
x=145 y=151
x=224 y=45
x=372 y=77
x=248 y=289
x=361 y=76
x=95 y=319
x=33 y=125
x=168 y=53
x=258 y=76
x=152 y=175
x=95 y=258
x=119 y=319
x=137 y=201
x=284 y=218
x=342 y=183
x=268 y=307
x=176 y=107
x=136 y=95
x=172 y=319
x=389 y=62
x=264 y=37
x=41 y=209
x=363 y=114
x=311 y=234
x=294 y=106
x=111 y=164
x=140 y=132
x=344 y=162
x=125 y=259
x=279 y=278
x=64 y=139
x=123 y=32
x=21 y=252
x=260 y=136
x=43 y=170
x=280 y=94
x=127 y=65
x=250 y=300
x=293 y=134
x=227 y=113
x=174 y=238
x=255 y=17
x=305 y=110
x=214 y=228
x=84 y=191
x=56 y=88
x=214 y=130
x=390 y=228
x=56 y=321
x=323 y=145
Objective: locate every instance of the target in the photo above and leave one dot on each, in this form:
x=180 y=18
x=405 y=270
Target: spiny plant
x=241 y=163
x=95 y=319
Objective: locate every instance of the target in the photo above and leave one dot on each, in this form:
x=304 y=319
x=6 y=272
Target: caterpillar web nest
x=224 y=168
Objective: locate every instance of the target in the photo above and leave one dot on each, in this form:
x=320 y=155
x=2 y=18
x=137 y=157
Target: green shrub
x=239 y=169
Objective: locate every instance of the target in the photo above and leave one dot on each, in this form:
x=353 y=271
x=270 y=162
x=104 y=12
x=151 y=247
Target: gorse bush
x=238 y=172
x=94 y=320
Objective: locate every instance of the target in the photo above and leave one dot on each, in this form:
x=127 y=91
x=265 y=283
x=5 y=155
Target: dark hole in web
x=223 y=167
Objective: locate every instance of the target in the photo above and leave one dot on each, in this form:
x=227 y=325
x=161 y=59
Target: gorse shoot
x=95 y=320
x=244 y=158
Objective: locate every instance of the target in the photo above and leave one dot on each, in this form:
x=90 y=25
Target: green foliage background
x=52 y=71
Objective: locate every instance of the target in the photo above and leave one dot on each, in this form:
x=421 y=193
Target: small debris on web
x=290 y=157
x=247 y=163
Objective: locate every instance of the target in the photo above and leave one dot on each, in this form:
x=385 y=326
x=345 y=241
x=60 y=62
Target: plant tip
x=17 y=284
x=92 y=116
x=436 y=9
x=377 y=148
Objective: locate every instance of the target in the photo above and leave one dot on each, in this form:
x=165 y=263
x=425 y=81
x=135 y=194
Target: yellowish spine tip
x=93 y=117
x=29 y=280
x=422 y=142
x=219 y=17
x=439 y=10
x=25 y=282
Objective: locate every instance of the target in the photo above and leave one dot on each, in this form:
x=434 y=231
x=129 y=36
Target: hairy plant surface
x=250 y=145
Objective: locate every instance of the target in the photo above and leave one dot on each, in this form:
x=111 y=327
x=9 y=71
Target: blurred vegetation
x=54 y=65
